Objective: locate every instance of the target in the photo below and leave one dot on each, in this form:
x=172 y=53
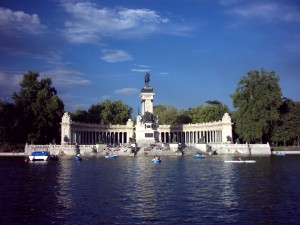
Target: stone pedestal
x=174 y=147
x=145 y=134
x=147 y=123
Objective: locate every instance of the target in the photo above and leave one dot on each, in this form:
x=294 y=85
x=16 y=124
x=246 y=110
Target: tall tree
x=287 y=130
x=40 y=109
x=94 y=113
x=8 y=127
x=257 y=100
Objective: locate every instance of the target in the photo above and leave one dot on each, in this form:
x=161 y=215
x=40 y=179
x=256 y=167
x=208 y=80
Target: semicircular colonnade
x=186 y=134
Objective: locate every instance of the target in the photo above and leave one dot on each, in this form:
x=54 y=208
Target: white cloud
x=90 y=23
x=115 y=56
x=9 y=83
x=140 y=70
x=11 y=21
x=63 y=78
x=127 y=91
x=268 y=12
x=143 y=66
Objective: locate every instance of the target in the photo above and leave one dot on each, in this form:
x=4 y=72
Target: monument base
x=145 y=134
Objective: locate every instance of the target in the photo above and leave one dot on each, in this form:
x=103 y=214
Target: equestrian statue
x=147 y=79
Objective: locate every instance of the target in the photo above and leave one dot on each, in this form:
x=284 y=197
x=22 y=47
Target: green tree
x=94 y=113
x=196 y=114
x=211 y=111
x=287 y=130
x=114 y=112
x=257 y=100
x=79 y=115
x=106 y=112
x=40 y=109
x=182 y=117
x=166 y=114
x=7 y=122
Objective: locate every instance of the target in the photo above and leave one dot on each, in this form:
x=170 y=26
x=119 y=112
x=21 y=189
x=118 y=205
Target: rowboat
x=280 y=154
x=78 y=158
x=39 y=156
x=111 y=156
x=156 y=160
x=240 y=161
x=199 y=156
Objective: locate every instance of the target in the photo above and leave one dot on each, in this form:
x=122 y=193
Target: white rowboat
x=240 y=161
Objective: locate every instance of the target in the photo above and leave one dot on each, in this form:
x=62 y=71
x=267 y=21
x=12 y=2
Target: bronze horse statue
x=147 y=79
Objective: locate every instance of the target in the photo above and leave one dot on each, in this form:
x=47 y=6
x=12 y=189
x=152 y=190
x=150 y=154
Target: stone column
x=66 y=127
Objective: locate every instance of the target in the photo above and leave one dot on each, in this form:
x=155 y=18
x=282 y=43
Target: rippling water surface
x=132 y=190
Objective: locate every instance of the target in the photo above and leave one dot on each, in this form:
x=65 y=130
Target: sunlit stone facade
x=89 y=134
x=146 y=131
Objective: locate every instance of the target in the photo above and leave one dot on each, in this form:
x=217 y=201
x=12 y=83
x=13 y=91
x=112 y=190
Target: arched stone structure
x=91 y=134
x=146 y=130
x=189 y=134
x=212 y=132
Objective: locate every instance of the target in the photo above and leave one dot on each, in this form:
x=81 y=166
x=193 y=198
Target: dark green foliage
x=39 y=110
x=212 y=111
x=80 y=116
x=287 y=130
x=106 y=112
x=257 y=100
x=7 y=122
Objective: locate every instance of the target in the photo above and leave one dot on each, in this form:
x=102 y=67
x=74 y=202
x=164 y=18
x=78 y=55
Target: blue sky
x=195 y=50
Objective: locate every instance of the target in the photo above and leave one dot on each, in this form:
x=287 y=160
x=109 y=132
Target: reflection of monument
x=147 y=123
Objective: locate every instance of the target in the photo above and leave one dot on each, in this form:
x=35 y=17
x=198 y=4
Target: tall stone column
x=226 y=127
x=66 y=128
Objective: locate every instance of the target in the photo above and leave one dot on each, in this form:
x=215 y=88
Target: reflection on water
x=132 y=190
x=63 y=188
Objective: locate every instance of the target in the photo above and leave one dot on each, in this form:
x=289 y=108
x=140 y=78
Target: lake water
x=132 y=190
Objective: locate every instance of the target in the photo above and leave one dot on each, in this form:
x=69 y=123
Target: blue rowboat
x=111 y=156
x=78 y=158
x=199 y=156
x=156 y=160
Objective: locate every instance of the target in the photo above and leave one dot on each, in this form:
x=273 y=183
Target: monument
x=147 y=123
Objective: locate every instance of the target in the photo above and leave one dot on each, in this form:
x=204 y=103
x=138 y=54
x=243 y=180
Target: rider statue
x=147 y=79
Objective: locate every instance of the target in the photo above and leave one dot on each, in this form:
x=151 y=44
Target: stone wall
x=260 y=149
x=230 y=149
x=236 y=149
x=221 y=149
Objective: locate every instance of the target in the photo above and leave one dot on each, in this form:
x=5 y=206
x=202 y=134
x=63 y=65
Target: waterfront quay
x=172 y=149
